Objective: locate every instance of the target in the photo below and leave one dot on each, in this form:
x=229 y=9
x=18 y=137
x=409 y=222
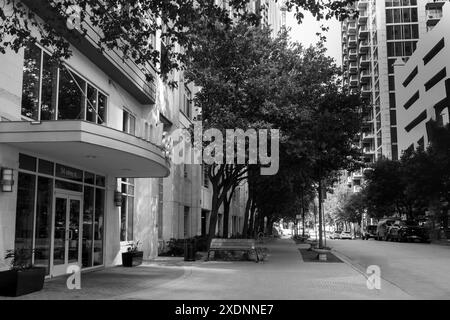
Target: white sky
x=305 y=33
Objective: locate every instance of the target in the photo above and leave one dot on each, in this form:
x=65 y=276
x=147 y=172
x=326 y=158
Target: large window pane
x=49 y=88
x=123 y=219
x=88 y=227
x=71 y=99
x=31 y=81
x=99 y=226
x=25 y=212
x=43 y=223
x=91 y=106
x=102 y=102
x=130 y=218
x=59 y=241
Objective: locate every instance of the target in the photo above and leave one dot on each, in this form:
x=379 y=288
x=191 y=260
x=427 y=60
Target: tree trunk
x=252 y=220
x=217 y=200
x=303 y=215
x=320 y=214
x=247 y=217
x=226 y=217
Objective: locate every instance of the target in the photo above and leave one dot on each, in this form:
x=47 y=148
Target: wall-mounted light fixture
x=117 y=198
x=7 y=179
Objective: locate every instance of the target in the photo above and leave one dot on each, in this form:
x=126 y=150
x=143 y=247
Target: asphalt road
x=420 y=270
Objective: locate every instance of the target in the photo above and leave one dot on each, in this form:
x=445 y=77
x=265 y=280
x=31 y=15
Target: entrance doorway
x=66 y=244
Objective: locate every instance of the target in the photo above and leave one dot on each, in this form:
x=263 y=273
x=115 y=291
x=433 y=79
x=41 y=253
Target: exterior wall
x=428 y=99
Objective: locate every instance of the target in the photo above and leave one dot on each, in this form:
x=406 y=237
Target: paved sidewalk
x=283 y=276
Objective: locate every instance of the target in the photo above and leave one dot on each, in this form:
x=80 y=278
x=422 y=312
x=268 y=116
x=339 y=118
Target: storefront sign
x=69 y=173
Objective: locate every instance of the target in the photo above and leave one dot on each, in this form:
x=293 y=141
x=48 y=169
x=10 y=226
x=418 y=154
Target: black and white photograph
x=224 y=156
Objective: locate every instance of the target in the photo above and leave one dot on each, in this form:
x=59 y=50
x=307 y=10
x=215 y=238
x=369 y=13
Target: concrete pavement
x=284 y=276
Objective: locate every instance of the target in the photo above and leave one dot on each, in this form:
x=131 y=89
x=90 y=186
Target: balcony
x=88 y=145
x=364 y=46
x=365 y=76
x=352 y=41
x=353 y=67
x=363 y=32
x=368 y=136
x=369 y=151
x=352 y=54
x=366 y=90
x=353 y=80
x=351 y=28
x=364 y=61
x=363 y=16
x=363 y=4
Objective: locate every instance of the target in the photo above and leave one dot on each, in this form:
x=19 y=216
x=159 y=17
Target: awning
x=89 y=146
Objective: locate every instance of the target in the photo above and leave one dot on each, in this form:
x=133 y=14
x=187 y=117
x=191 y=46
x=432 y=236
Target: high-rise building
x=423 y=86
x=372 y=40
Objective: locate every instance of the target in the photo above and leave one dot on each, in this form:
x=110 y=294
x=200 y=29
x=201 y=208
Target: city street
x=420 y=270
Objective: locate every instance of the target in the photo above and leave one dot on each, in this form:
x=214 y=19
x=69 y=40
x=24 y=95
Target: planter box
x=14 y=283
x=132 y=259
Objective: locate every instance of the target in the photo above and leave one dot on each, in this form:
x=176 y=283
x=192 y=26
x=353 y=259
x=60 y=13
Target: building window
x=128 y=123
x=127 y=209
x=412 y=100
x=186 y=105
x=53 y=93
x=433 y=81
x=433 y=52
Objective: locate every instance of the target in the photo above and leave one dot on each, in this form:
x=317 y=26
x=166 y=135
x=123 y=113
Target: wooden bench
x=247 y=245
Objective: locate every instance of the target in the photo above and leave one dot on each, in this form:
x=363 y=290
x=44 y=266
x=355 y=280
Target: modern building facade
x=423 y=84
x=83 y=141
x=85 y=171
x=382 y=32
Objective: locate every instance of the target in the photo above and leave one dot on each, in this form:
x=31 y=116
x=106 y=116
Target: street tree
x=130 y=25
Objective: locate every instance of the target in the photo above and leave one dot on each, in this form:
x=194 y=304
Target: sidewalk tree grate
x=311 y=256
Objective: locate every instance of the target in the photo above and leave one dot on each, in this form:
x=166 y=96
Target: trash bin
x=189 y=250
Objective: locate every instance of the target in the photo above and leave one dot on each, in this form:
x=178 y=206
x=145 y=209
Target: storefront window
x=88 y=227
x=99 y=226
x=43 y=229
x=25 y=211
x=39 y=222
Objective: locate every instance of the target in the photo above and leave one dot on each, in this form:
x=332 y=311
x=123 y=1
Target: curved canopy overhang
x=88 y=145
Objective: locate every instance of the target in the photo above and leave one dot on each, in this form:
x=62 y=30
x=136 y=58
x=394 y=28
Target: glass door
x=66 y=232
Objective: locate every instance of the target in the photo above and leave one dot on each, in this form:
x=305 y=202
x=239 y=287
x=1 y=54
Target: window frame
x=72 y=70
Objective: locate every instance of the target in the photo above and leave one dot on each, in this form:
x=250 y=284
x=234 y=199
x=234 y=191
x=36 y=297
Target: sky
x=305 y=33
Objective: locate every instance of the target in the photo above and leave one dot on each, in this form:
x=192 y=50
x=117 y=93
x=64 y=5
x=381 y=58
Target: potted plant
x=133 y=257
x=22 y=278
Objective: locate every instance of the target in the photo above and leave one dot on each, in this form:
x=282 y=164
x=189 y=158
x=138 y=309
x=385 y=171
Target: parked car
x=383 y=228
x=346 y=235
x=335 y=235
x=369 y=231
x=407 y=231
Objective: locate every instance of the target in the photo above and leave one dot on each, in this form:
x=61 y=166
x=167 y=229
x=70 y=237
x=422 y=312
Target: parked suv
x=369 y=232
x=383 y=228
x=407 y=231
